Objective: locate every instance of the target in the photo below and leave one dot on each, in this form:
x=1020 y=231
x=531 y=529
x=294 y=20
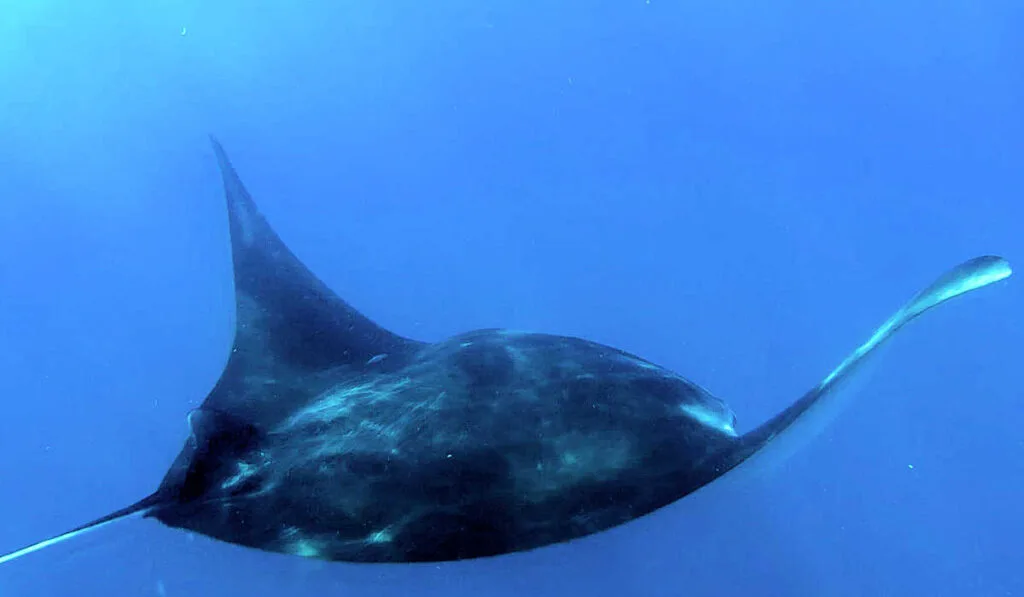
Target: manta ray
x=330 y=437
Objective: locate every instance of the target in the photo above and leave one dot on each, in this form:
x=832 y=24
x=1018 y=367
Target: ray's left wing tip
x=222 y=155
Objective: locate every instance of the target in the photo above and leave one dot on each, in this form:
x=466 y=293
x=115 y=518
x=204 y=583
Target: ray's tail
x=139 y=508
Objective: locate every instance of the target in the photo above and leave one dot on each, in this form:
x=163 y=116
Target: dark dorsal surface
x=486 y=443
x=330 y=437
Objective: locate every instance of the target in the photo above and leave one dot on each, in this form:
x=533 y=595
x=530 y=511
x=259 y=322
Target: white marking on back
x=709 y=418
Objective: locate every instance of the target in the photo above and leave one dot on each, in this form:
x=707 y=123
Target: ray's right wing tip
x=964 y=278
x=988 y=269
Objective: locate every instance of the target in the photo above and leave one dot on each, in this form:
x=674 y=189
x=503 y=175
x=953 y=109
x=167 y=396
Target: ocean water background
x=738 y=191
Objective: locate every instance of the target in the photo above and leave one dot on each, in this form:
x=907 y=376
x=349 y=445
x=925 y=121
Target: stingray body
x=330 y=437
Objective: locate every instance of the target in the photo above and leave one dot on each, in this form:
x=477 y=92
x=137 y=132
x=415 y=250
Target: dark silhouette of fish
x=330 y=437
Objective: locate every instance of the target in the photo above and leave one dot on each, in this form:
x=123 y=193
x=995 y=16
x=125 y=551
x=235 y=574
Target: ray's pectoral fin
x=781 y=435
x=286 y=316
x=289 y=325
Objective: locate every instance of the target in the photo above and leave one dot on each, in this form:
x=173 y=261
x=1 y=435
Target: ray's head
x=204 y=470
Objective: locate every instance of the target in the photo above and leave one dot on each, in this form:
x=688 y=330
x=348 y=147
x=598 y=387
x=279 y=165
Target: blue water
x=738 y=191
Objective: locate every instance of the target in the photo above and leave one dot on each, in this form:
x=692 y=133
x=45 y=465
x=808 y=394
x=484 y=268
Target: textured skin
x=487 y=443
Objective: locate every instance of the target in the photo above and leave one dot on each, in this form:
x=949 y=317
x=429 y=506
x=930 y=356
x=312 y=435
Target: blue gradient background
x=738 y=191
